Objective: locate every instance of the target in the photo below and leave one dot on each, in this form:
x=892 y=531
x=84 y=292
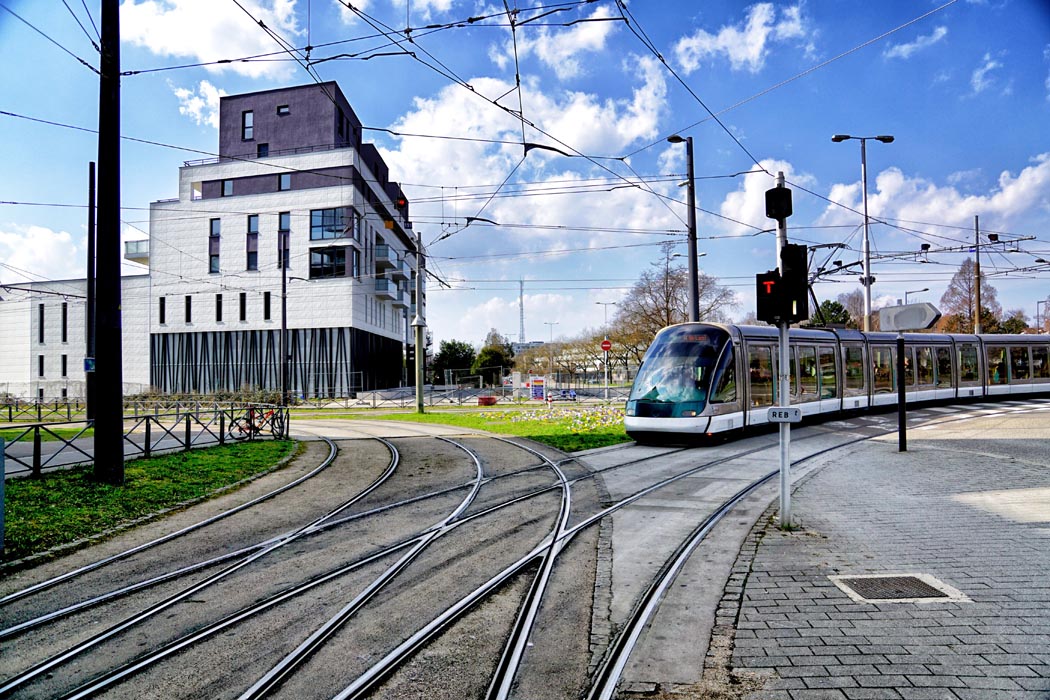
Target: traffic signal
x=784 y=298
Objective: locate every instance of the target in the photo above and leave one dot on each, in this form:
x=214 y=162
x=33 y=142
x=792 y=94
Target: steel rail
x=333 y=450
x=514 y=649
x=150 y=611
x=286 y=666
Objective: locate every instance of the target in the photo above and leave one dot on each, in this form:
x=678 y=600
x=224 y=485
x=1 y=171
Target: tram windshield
x=678 y=366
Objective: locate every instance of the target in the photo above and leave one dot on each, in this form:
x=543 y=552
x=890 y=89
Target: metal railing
x=270 y=154
x=437 y=396
x=144 y=435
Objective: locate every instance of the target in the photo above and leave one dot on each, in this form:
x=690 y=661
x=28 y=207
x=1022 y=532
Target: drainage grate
x=893 y=588
x=897 y=587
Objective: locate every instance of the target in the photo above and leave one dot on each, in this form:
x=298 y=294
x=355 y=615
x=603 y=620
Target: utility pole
x=89 y=310
x=419 y=323
x=109 y=409
x=284 y=318
x=977 y=274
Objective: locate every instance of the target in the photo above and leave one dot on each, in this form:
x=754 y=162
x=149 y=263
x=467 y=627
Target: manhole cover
x=897 y=587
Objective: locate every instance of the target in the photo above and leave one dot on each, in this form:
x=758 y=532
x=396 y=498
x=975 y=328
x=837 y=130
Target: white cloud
x=560 y=48
x=921 y=42
x=204 y=31
x=200 y=105
x=47 y=253
x=981 y=79
x=917 y=199
x=746 y=45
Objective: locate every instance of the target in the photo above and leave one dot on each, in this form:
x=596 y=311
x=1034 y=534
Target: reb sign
x=606 y=345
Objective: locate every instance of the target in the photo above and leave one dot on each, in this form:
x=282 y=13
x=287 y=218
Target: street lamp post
x=1040 y=320
x=914 y=291
x=867 y=280
x=694 y=279
x=605 y=362
x=550 y=353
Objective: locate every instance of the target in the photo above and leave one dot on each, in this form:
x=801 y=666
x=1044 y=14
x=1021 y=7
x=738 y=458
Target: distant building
x=293 y=183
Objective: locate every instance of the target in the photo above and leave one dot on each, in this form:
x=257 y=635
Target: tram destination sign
x=785 y=414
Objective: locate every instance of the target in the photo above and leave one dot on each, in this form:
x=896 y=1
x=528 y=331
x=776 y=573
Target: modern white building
x=295 y=183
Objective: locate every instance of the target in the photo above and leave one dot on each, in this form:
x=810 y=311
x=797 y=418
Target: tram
x=700 y=379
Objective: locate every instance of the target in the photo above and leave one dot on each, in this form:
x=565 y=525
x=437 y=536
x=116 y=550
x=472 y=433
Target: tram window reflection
x=807 y=371
x=725 y=390
x=1019 y=364
x=828 y=375
x=854 y=364
x=760 y=375
x=1040 y=362
x=968 y=366
x=924 y=365
x=944 y=367
x=997 y=369
x=882 y=367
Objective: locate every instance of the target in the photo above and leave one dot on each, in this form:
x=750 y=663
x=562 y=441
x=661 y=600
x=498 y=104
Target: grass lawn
x=9 y=434
x=65 y=505
x=568 y=429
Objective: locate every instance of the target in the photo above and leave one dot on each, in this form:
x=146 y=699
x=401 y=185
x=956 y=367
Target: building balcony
x=386 y=289
x=386 y=258
x=137 y=251
x=401 y=272
x=401 y=300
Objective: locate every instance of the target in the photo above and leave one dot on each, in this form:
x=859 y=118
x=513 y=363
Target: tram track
x=543 y=556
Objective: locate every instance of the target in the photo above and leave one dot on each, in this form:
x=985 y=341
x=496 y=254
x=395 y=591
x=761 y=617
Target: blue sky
x=964 y=88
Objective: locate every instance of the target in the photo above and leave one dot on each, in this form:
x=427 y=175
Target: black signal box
x=784 y=298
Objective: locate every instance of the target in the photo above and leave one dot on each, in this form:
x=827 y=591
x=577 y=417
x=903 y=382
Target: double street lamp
x=867 y=280
x=694 y=280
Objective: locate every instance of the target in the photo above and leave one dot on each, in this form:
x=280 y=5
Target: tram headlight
x=630 y=410
x=688 y=414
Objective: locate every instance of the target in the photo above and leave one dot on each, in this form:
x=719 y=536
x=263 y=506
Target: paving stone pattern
x=878 y=511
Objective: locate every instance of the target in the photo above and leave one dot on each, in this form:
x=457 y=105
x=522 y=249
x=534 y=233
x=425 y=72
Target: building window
x=227 y=188
x=262 y=150
x=65 y=365
x=65 y=323
x=327 y=262
x=283 y=110
x=160 y=310
x=331 y=223
x=247 y=125
x=65 y=393
x=284 y=182
x=355 y=263
x=284 y=227
x=244 y=306
x=40 y=366
x=189 y=309
x=218 y=308
x=266 y=306
x=39 y=394
x=252 y=242
x=215 y=227
x=40 y=323
x=196 y=191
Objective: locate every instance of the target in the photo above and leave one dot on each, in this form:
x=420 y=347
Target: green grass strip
x=66 y=505
x=9 y=434
x=567 y=429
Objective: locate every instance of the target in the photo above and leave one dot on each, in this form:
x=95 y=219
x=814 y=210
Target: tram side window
x=1019 y=364
x=853 y=361
x=882 y=365
x=997 y=370
x=968 y=367
x=760 y=374
x=944 y=367
x=1040 y=363
x=726 y=388
x=807 y=372
x=924 y=365
x=828 y=376
x=909 y=367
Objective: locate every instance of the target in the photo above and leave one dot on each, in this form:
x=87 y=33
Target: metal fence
x=451 y=395
x=37 y=446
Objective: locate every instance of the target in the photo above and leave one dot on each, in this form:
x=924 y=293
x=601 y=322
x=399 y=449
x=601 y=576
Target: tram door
x=761 y=381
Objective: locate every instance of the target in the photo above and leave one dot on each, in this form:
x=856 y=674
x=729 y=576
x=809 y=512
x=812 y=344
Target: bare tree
x=660 y=298
x=959 y=300
x=854 y=304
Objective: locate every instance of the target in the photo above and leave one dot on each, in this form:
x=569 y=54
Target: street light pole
x=915 y=291
x=694 y=273
x=284 y=325
x=867 y=280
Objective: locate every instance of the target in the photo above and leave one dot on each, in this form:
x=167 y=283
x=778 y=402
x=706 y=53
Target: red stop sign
x=606 y=345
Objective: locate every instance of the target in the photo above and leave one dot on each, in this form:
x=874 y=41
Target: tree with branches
x=660 y=298
x=959 y=300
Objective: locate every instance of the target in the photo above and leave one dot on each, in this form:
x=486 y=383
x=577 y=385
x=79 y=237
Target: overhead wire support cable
x=80 y=24
x=96 y=71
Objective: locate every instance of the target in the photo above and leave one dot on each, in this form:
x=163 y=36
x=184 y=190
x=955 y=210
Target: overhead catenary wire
x=41 y=33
